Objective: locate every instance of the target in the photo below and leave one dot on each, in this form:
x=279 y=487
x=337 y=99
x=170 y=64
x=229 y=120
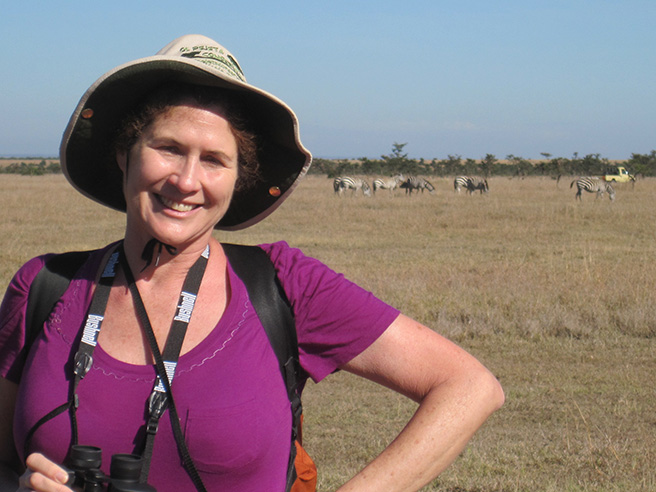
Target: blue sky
x=462 y=77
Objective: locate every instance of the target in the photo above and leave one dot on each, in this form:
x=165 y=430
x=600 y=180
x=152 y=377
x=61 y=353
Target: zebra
x=472 y=184
x=475 y=183
x=459 y=183
x=416 y=183
x=593 y=185
x=387 y=184
x=336 y=184
x=348 y=183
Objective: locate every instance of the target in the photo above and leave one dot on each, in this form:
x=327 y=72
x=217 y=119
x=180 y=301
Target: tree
x=397 y=161
x=452 y=165
x=593 y=164
x=521 y=166
x=643 y=164
x=487 y=164
x=370 y=167
x=397 y=151
x=470 y=166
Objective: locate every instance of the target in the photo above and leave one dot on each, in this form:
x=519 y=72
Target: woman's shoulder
x=336 y=319
x=25 y=275
x=278 y=249
x=12 y=316
x=292 y=264
x=283 y=255
x=308 y=281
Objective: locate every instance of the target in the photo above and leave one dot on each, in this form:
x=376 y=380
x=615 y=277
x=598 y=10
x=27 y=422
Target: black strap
x=172 y=349
x=51 y=282
x=50 y=415
x=47 y=288
x=254 y=267
x=84 y=355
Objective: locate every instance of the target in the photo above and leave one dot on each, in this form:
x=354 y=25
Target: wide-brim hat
x=87 y=159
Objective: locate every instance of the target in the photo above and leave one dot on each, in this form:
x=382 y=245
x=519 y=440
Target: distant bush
x=31 y=168
x=511 y=166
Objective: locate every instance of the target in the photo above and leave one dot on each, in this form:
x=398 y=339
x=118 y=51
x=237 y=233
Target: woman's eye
x=214 y=161
x=168 y=149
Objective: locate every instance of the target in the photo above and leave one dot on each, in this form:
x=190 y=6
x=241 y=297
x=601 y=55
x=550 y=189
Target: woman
x=198 y=149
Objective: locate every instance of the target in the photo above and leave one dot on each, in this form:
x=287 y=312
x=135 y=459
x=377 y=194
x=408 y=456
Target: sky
x=446 y=78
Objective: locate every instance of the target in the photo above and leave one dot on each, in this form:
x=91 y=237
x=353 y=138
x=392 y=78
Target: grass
x=556 y=297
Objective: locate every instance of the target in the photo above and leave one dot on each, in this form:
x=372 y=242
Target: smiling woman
x=170 y=95
x=182 y=172
x=161 y=316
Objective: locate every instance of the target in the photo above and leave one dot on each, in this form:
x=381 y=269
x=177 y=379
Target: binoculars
x=86 y=476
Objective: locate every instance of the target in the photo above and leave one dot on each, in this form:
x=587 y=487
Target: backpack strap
x=47 y=288
x=254 y=267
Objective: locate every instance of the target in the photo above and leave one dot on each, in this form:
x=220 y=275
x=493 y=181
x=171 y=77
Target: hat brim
x=89 y=164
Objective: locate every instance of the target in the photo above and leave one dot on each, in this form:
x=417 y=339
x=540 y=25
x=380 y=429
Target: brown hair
x=158 y=102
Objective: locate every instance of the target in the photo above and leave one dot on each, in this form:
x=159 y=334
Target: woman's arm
x=42 y=474
x=9 y=462
x=455 y=392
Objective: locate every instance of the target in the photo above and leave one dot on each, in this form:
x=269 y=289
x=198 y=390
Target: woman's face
x=180 y=175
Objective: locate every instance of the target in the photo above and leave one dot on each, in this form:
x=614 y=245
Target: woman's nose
x=187 y=178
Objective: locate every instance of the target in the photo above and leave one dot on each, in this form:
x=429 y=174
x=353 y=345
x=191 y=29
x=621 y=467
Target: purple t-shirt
x=228 y=390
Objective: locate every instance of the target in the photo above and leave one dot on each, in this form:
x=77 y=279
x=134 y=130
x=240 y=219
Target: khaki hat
x=86 y=154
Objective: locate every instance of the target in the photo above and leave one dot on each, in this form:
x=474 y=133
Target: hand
x=43 y=475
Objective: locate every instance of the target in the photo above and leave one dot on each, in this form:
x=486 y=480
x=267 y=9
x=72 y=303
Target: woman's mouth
x=177 y=206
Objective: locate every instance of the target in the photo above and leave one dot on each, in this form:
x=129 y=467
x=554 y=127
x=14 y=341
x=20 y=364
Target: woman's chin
x=182 y=240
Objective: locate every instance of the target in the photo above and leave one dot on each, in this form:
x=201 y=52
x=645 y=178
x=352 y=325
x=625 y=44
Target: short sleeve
x=12 y=319
x=335 y=319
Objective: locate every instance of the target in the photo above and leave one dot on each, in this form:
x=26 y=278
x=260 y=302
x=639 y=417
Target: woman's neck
x=165 y=262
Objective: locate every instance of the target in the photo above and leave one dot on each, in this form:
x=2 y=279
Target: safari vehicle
x=617 y=174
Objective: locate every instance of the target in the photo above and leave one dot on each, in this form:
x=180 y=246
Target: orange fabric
x=306 y=471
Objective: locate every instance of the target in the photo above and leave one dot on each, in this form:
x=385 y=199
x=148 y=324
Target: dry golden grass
x=555 y=296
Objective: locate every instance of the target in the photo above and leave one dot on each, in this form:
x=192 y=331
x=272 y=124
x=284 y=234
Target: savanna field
x=556 y=297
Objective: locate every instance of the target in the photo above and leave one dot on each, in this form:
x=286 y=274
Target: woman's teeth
x=177 y=206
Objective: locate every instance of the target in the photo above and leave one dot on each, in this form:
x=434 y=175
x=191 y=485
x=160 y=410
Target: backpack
x=253 y=266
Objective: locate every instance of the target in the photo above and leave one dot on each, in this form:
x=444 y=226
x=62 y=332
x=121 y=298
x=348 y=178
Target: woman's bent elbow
x=491 y=392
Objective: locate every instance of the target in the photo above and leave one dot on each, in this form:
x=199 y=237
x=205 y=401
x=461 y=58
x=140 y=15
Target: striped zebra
x=593 y=185
x=387 y=183
x=476 y=183
x=459 y=183
x=416 y=183
x=471 y=184
x=348 y=183
x=337 y=184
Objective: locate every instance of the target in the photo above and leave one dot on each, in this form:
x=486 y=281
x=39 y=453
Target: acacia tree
x=452 y=164
x=521 y=166
x=470 y=166
x=487 y=164
x=644 y=164
x=397 y=161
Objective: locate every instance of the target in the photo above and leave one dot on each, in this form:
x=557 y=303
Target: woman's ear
x=122 y=160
